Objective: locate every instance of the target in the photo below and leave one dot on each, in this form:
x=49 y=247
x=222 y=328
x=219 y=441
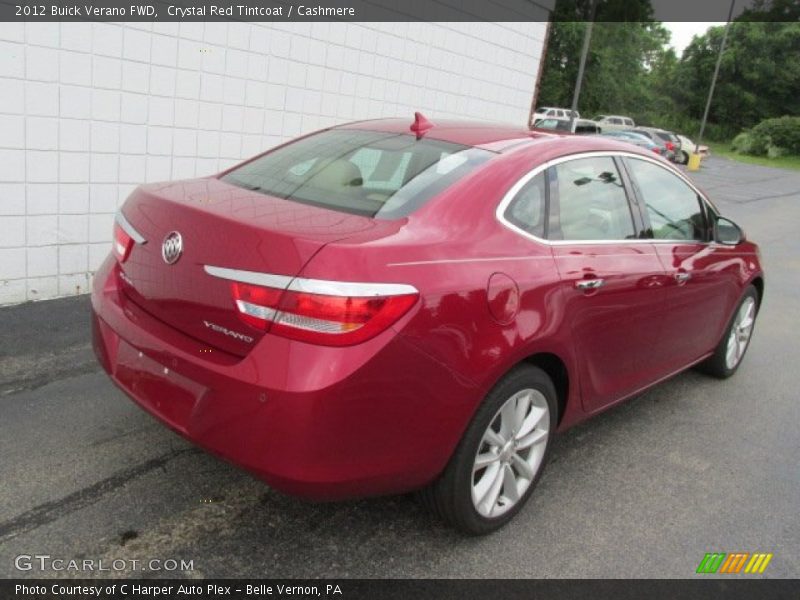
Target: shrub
x=742 y=143
x=776 y=151
x=771 y=137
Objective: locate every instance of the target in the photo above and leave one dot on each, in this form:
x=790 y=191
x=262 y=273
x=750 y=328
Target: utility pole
x=714 y=79
x=582 y=65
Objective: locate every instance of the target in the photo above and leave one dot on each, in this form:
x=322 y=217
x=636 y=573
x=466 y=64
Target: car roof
x=502 y=138
x=468 y=133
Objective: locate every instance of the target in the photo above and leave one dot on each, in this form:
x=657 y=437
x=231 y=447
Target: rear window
x=370 y=173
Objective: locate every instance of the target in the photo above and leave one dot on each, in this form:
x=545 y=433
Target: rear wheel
x=501 y=456
x=731 y=349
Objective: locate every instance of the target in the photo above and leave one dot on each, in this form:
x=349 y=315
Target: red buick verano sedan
x=371 y=309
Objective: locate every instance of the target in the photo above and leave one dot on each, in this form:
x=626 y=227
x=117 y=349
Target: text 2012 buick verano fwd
x=377 y=308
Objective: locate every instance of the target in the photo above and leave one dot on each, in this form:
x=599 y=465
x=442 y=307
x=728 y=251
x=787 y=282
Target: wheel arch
x=555 y=368
x=758 y=283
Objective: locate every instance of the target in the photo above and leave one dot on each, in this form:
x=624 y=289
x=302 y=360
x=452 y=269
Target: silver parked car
x=611 y=122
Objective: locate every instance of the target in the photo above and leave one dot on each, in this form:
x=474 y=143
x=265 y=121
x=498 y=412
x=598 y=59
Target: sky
x=682 y=33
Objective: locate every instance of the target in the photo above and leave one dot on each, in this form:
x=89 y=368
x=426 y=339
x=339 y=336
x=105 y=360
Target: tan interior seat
x=337 y=174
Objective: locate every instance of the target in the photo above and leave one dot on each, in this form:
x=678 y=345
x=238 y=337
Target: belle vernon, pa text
x=211 y=10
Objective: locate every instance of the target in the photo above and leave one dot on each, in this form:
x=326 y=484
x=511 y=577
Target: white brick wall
x=89 y=111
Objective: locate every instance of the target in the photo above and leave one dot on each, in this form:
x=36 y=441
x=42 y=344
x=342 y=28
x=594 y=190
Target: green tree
x=631 y=70
x=759 y=75
x=621 y=56
x=626 y=45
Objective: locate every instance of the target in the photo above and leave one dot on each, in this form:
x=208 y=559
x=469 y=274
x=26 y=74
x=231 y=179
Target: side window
x=673 y=207
x=527 y=209
x=591 y=202
x=629 y=122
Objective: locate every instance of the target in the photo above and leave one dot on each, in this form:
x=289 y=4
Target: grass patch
x=782 y=162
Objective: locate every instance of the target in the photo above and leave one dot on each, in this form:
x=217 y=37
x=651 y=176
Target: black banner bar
x=277 y=10
x=734 y=587
x=392 y=10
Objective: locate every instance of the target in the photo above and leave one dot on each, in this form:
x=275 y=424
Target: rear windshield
x=370 y=173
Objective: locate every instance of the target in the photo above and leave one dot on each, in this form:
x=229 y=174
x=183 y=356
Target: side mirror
x=727 y=232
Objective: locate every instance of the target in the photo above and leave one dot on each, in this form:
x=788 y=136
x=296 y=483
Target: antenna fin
x=420 y=124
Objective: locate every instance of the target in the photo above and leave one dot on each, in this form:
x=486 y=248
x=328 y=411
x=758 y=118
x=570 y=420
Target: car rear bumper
x=326 y=423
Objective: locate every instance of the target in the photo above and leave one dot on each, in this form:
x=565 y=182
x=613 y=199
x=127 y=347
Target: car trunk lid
x=220 y=225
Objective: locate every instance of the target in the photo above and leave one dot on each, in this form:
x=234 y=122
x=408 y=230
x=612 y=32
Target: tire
x=719 y=364
x=462 y=488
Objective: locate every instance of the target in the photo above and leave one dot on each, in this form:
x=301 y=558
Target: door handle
x=682 y=277
x=589 y=284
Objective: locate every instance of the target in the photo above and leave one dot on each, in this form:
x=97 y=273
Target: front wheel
x=731 y=349
x=501 y=456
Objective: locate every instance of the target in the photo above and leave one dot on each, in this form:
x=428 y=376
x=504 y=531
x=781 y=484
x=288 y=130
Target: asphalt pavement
x=694 y=465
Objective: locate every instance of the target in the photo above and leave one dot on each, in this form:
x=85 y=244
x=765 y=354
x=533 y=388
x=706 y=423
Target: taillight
x=345 y=314
x=257 y=306
x=125 y=236
x=656 y=149
x=670 y=146
x=122 y=243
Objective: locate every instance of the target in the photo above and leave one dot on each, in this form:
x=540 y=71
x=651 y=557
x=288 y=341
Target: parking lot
x=693 y=466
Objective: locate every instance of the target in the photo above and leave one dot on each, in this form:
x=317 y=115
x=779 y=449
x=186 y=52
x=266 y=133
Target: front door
x=702 y=283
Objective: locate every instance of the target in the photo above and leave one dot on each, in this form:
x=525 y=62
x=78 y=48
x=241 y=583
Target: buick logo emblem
x=172 y=248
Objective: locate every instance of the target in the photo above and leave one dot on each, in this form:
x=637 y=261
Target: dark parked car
x=376 y=308
x=637 y=139
x=667 y=139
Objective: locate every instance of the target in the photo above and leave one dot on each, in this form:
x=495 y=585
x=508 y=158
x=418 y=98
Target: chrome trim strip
x=312 y=286
x=128 y=228
x=350 y=288
x=266 y=279
x=509 y=196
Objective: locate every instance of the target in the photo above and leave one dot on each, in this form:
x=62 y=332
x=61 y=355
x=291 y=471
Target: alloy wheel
x=510 y=453
x=740 y=333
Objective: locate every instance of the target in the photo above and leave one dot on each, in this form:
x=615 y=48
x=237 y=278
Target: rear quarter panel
x=449 y=250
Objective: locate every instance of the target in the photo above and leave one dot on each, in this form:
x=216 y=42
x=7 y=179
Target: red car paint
x=384 y=415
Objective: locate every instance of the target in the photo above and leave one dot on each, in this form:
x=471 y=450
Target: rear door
x=701 y=283
x=612 y=281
